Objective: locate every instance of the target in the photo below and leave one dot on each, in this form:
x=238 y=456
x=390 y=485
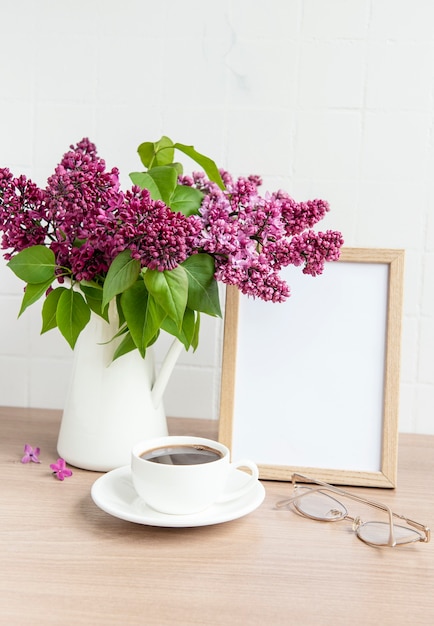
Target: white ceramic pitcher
x=111 y=405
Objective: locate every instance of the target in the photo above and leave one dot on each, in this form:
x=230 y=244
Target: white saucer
x=114 y=493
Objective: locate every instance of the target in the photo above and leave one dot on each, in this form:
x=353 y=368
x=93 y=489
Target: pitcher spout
x=165 y=371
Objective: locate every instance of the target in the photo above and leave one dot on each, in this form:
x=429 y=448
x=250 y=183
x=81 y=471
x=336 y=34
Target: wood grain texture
x=64 y=561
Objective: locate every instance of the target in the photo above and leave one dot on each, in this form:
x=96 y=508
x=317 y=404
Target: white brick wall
x=325 y=98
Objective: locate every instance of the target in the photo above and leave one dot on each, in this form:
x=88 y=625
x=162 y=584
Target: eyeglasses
x=315 y=503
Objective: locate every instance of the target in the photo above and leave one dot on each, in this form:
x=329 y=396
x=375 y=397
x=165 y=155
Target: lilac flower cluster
x=252 y=237
x=78 y=196
x=22 y=216
x=86 y=220
x=159 y=237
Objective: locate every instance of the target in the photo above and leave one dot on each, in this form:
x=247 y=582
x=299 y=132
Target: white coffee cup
x=170 y=487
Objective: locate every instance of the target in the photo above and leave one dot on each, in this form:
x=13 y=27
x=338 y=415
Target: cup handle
x=241 y=491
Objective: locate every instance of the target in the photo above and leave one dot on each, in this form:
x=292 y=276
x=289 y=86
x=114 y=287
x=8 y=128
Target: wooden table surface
x=64 y=561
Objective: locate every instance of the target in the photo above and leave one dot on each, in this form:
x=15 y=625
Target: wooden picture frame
x=312 y=385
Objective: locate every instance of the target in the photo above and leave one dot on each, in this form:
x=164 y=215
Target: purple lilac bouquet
x=157 y=249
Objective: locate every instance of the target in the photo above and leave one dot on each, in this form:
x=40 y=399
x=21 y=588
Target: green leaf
x=160 y=181
x=142 y=314
x=188 y=325
x=122 y=330
x=49 y=309
x=173 y=329
x=159 y=153
x=195 y=338
x=188 y=334
x=90 y=283
x=34 y=265
x=156 y=315
x=32 y=293
x=72 y=315
x=94 y=300
x=186 y=200
x=120 y=313
x=145 y=181
x=178 y=168
x=127 y=345
x=146 y=152
x=166 y=179
x=170 y=290
x=205 y=162
x=93 y=291
x=203 y=294
x=123 y=273
x=164 y=151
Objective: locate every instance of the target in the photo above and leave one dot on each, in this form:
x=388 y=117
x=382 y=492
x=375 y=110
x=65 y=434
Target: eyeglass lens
x=377 y=533
x=320 y=506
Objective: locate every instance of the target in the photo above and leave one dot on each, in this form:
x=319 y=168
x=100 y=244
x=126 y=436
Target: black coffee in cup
x=182 y=455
